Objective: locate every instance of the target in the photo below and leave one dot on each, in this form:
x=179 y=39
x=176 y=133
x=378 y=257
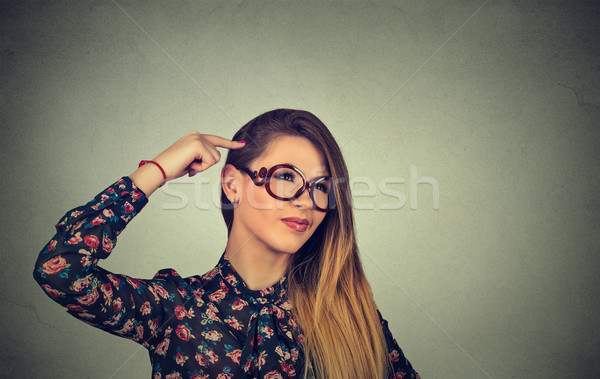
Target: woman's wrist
x=148 y=178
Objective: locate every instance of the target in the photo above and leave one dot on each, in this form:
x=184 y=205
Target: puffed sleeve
x=67 y=270
x=401 y=366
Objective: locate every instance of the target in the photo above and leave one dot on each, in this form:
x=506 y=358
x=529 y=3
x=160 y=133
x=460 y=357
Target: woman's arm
x=401 y=365
x=67 y=266
x=67 y=269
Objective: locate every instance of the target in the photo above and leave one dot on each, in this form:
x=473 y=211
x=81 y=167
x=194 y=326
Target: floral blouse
x=209 y=326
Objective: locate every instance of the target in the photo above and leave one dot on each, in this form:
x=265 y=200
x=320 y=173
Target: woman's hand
x=191 y=154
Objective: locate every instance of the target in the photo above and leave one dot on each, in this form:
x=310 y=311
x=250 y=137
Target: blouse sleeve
x=401 y=366
x=67 y=270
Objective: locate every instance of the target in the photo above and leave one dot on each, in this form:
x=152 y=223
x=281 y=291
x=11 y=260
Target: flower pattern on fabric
x=208 y=326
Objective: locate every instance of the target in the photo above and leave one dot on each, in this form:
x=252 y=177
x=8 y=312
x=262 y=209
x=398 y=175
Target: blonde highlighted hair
x=332 y=300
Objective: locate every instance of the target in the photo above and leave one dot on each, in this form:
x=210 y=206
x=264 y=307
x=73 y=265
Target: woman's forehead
x=297 y=151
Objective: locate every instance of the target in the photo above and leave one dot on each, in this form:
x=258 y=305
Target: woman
x=288 y=297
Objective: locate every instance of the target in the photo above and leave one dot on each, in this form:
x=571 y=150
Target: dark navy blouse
x=209 y=326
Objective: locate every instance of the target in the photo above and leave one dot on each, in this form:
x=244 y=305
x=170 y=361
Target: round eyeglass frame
x=265 y=177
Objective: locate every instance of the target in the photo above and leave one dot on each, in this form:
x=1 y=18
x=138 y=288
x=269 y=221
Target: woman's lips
x=298 y=224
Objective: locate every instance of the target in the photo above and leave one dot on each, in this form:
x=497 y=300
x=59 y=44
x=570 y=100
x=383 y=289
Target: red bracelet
x=160 y=168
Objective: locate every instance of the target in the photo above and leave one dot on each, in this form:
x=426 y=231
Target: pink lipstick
x=296 y=223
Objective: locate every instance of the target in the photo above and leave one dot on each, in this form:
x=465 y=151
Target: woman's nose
x=303 y=201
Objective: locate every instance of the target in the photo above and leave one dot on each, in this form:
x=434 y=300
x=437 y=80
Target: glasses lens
x=321 y=192
x=285 y=182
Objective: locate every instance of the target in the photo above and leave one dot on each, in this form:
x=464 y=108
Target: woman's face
x=260 y=215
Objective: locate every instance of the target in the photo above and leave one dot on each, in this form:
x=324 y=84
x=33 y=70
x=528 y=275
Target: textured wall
x=493 y=105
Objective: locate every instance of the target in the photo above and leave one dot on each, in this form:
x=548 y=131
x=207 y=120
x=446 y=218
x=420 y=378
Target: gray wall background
x=495 y=102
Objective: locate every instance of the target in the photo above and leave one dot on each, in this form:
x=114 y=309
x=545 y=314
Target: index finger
x=224 y=142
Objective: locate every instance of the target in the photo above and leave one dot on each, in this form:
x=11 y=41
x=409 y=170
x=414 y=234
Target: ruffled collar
x=274 y=294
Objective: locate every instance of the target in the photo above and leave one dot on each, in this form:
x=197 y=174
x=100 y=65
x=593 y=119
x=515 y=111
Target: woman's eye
x=285 y=176
x=323 y=187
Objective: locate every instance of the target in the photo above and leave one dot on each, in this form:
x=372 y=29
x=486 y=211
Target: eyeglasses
x=286 y=182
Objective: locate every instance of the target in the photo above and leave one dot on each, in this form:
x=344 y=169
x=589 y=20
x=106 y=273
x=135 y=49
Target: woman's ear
x=230 y=182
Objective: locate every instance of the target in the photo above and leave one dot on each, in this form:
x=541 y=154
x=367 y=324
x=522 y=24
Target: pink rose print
x=268 y=332
x=113 y=320
x=153 y=291
x=183 y=332
x=255 y=342
x=128 y=207
x=211 y=274
x=136 y=194
x=161 y=291
x=128 y=325
x=223 y=376
x=233 y=322
x=97 y=221
x=82 y=283
x=76 y=213
x=107 y=291
x=78 y=225
x=153 y=325
x=198 y=295
x=231 y=279
x=117 y=304
x=279 y=350
x=181 y=291
x=107 y=244
x=180 y=359
x=292 y=323
x=273 y=375
x=55 y=265
x=162 y=347
x=201 y=359
x=91 y=241
x=239 y=304
x=261 y=359
x=394 y=356
x=288 y=369
x=279 y=312
x=51 y=291
x=108 y=213
x=212 y=335
x=217 y=296
x=211 y=314
x=133 y=282
x=114 y=280
x=399 y=375
x=235 y=355
x=89 y=298
x=145 y=308
x=266 y=291
x=75 y=239
x=212 y=357
x=175 y=375
x=139 y=333
x=180 y=312
x=86 y=261
x=52 y=245
x=74 y=307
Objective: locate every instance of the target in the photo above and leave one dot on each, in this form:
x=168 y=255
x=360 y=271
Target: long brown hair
x=331 y=298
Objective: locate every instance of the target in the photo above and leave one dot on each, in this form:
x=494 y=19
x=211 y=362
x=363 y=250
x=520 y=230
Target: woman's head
x=326 y=283
x=283 y=136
